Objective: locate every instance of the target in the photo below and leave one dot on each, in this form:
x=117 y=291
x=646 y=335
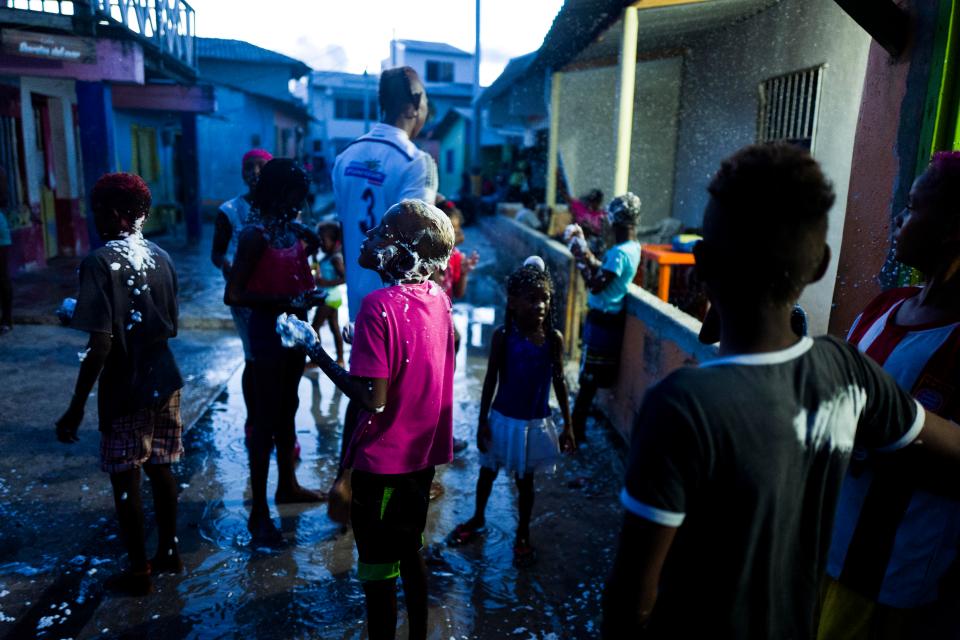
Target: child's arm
x=98 y=348
x=489 y=387
x=460 y=286
x=309 y=237
x=594 y=275
x=338 y=266
x=371 y=393
x=631 y=589
x=222 y=232
x=567 y=441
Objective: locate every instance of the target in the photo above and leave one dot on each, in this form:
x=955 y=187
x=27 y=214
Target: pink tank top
x=283 y=272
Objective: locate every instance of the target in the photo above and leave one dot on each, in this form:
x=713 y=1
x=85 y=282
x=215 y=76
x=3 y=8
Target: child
x=608 y=282
x=331 y=274
x=453 y=279
x=896 y=536
x=128 y=305
x=270 y=276
x=526 y=356
x=232 y=217
x=401 y=375
x=735 y=467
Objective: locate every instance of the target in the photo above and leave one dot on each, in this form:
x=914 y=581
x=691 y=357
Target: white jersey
x=237 y=211
x=374 y=172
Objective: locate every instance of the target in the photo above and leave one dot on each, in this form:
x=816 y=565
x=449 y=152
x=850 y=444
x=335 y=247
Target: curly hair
x=765 y=222
x=125 y=193
x=528 y=278
x=278 y=177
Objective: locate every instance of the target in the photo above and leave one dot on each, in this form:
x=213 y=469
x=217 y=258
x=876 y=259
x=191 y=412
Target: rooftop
x=241 y=51
x=433 y=47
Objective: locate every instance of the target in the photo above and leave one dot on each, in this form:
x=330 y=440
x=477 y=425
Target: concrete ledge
x=186 y=322
x=669 y=322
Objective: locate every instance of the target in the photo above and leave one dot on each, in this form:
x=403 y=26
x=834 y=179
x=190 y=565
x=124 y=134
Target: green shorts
x=389 y=514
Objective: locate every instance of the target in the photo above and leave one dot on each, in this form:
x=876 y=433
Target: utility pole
x=366 y=101
x=477 y=124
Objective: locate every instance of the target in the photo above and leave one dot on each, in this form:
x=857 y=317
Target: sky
x=353 y=35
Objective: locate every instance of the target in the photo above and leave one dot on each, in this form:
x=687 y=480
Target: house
x=86 y=89
x=255 y=109
x=453 y=137
x=650 y=95
x=447 y=75
x=343 y=106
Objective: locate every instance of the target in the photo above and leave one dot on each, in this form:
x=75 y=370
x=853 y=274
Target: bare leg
x=524 y=505
x=413 y=576
x=164 y=487
x=581 y=409
x=484 y=488
x=381 y=598
x=334 y=324
x=126 y=497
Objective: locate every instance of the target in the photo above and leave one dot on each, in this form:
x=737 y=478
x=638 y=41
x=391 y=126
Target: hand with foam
x=295 y=332
x=573 y=236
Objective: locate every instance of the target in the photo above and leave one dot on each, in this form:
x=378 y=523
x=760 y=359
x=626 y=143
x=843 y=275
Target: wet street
x=308 y=589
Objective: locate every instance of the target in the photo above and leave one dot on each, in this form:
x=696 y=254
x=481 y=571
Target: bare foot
x=130 y=583
x=168 y=562
x=436 y=490
x=298 y=495
x=264 y=532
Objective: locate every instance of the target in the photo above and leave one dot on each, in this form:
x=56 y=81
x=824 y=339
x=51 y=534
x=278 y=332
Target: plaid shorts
x=152 y=434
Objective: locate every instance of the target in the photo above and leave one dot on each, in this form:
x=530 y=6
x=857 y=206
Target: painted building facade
x=255 y=109
x=63 y=87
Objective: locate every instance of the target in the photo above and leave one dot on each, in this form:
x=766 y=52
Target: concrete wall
x=657 y=339
x=588 y=111
x=453 y=144
x=719 y=105
x=888 y=142
x=267 y=79
x=163 y=186
x=224 y=137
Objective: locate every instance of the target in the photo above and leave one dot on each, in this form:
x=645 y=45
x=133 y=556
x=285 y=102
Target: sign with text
x=48 y=47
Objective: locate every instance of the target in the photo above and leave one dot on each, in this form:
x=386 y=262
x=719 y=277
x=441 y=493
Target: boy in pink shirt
x=401 y=374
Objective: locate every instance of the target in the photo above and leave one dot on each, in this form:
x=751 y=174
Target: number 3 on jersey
x=370 y=221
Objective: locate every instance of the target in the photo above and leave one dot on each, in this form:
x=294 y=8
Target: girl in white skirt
x=517 y=434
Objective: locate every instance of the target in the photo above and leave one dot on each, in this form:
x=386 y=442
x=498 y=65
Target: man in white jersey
x=379 y=169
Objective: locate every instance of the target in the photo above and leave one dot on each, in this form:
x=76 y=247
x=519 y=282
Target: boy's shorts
x=151 y=435
x=389 y=514
x=602 y=344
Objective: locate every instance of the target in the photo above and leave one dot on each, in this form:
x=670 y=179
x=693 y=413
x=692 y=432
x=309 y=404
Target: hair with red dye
x=257 y=154
x=125 y=193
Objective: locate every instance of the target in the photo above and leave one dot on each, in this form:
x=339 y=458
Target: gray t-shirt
x=746 y=455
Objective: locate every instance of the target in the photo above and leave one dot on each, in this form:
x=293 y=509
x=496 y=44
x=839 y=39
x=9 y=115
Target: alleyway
x=308 y=588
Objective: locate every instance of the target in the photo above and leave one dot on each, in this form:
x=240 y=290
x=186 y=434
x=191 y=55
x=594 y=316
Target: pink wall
x=119 y=61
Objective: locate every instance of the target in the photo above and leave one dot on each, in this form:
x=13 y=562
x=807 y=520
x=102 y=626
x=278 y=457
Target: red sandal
x=464 y=534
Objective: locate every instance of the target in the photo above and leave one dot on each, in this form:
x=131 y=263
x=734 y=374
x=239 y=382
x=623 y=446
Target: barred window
x=789 y=107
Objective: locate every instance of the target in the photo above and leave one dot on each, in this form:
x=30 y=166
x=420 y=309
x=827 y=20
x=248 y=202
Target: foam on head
x=624 y=210
x=421 y=239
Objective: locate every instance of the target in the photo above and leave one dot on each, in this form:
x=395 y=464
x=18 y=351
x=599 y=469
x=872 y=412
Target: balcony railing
x=167 y=25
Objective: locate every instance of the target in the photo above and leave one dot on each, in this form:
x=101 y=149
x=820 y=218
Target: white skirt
x=521 y=446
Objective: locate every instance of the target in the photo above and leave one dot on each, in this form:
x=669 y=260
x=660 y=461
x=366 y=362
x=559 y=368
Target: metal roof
x=241 y=51
x=514 y=70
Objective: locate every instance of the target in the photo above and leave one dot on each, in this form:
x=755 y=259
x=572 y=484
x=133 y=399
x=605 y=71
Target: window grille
x=790 y=107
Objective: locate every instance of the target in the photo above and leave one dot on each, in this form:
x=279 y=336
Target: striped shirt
x=897 y=527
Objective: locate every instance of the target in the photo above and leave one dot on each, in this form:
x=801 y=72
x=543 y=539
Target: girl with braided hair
x=517 y=432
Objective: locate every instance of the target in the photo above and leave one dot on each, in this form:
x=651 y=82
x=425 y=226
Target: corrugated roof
x=241 y=51
x=434 y=47
x=514 y=70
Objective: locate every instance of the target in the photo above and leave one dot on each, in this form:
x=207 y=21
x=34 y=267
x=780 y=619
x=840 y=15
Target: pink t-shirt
x=404 y=333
